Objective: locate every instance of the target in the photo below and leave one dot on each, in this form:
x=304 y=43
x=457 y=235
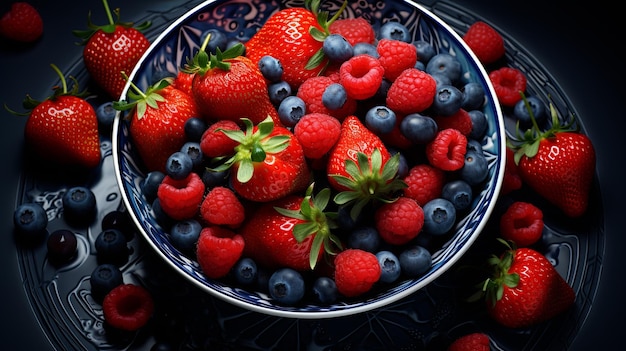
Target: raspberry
x=355 y=30
x=127 y=307
x=222 y=207
x=425 y=183
x=395 y=57
x=400 y=221
x=218 y=250
x=512 y=180
x=413 y=91
x=461 y=121
x=485 y=42
x=22 y=23
x=471 y=342
x=356 y=271
x=508 y=83
x=317 y=134
x=361 y=76
x=180 y=199
x=215 y=143
x=522 y=223
x=447 y=151
x=311 y=92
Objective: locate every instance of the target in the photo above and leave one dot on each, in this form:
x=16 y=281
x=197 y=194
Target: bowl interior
x=241 y=19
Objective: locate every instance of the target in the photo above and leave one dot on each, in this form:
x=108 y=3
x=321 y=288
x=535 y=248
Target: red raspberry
x=218 y=250
x=425 y=183
x=413 y=91
x=127 y=307
x=356 y=271
x=214 y=143
x=311 y=92
x=460 y=120
x=183 y=82
x=317 y=134
x=355 y=30
x=508 y=83
x=522 y=223
x=361 y=76
x=447 y=150
x=396 y=56
x=512 y=180
x=180 y=199
x=471 y=342
x=400 y=221
x=222 y=207
x=21 y=23
x=485 y=42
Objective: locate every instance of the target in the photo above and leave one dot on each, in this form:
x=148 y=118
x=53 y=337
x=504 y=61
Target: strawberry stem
x=107 y=10
x=60 y=74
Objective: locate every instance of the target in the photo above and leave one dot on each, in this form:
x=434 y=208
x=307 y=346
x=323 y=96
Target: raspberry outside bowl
x=170 y=51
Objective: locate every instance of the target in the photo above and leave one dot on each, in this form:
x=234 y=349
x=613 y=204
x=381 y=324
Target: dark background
x=579 y=46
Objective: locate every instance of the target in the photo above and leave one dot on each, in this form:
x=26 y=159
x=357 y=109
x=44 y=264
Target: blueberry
x=383 y=89
x=365 y=49
x=403 y=168
x=159 y=215
x=479 y=124
x=389 y=265
x=337 y=48
x=30 y=220
x=286 y=286
x=473 y=145
x=290 y=110
x=184 y=234
x=212 y=178
x=111 y=247
x=79 y=205
x=103 y=279
x=445 y=64
x=420 y=65
x=380 y=119
x=419 y=129
x=415 y=261
x=425 y=50
x=119 y=220
x=475 y=169
x=441 y=79
x=61 y=245
x=365 y=238
x=271 y=68
x=439 y=216
x=473 y=96
x=218 y=40
x=459 y=192
x=325 y=290
x=395 y=31
x=334 y=96
x=447 y=101
x=150 y=184
x=178 y=165
x=278 y=91
x=193 y=150
x=245 y=271
x=194 y=128
x=521 y=113
x=105 y=113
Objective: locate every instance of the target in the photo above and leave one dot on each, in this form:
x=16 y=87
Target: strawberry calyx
x=255 y=143
x=527 y=143
x=202 y=61
x=317 y=34
x=109 y=27
x=493 y=287
x=315 y=222
x=142 y=100
x=369 y=181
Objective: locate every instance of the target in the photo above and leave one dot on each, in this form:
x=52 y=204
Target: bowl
x=241 y=19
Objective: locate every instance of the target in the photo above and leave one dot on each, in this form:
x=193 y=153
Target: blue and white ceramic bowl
x=241 y=19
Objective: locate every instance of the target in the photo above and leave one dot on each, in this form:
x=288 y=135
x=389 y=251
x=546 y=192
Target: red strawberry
x=127 y=307
x=485 y=42
x=268 y=164
x=63 y=128
x=356 y=271
x=229 y=86
x=526 y=289
x=294 y=36
x=214 y=143
x=218 y=250
x=355 y=30
x=112 y=49
x=21 y=23
x=157 y=121
x=471 y=342
x=558 y=163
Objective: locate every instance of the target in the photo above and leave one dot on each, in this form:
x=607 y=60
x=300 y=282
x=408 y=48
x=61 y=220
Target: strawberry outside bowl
x=240 y=20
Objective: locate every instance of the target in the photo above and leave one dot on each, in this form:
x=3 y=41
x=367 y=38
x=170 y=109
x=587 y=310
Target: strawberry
x=558 y=163
x=112 y=49
x=471 y=342
x=157 y=121
x=294 y=36
x=21 y=23
x=63 y=128
x=525 y=289
x=228 y=86
x=268 y=162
